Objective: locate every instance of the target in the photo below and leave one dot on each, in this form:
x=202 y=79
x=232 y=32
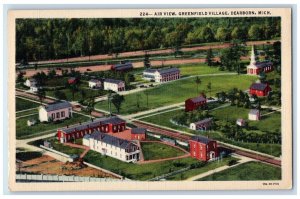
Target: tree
x=60 y=95
x=147 y=63
x=83 y=94
x=51 y=74
x=117 y=101
x=255 y=32
x=128 y=79
x=209 y=88
x=146 y=92
x=138 y=96
x=73 y=88
x=90 y=105
x=20 y=78
x=198 y=82
x=41 y=95
x=207 y=34
x=209 y=57
x=222 y=34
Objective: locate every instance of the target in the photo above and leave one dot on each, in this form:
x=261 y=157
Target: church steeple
x=253 y=60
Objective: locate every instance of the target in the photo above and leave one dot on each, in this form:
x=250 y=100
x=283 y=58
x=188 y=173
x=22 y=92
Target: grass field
x=193 y=172
x=23 y=131
x=154 y=151
x=259 y=171
x=22 y=104
x=135 y=171
x=23 y=113
x=198 y=69
x=65 y=149
x=178 y=91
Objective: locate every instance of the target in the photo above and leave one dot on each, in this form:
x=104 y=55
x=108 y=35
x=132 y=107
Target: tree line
x=44 y=39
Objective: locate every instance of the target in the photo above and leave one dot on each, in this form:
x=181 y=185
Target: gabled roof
x=109 y=139
x=206 y=120
x=94 y=80
x=263 y=64
x=197 y=99
x=201 y=139
x=258 y=86
x=92 y=124
x=72 y=78
x=162 y=71
x=114 y=81
x=57 y=105
x=254 y=111
x=138 y=130
x=123 y=66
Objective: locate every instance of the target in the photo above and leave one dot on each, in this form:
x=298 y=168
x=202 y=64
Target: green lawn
x=65 y=149
x=247 y=171
x=22 y=104
x=178 y=91
x=198 y=69
x=193 y=172
x=32 y=111
x=23 y=131
x=154 y=151
x=135 y=171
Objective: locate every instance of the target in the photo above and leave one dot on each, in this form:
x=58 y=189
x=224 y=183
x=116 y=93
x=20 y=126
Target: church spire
x=253 y=60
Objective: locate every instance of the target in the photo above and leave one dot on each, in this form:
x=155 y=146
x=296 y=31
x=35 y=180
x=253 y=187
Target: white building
x=254 y=115
x=55 y=111
x=255 y=67
x=124 y=150
x=114 y=85
x=240 y=122
x=34 y=88
x=201 y=125
x=30 y=82
x=161 y=75
x=94 y=83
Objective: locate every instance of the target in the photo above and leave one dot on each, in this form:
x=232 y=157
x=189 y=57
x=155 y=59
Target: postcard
x=150 y=99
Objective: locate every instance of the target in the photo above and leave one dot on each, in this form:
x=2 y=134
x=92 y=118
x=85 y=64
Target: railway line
x=180 y=136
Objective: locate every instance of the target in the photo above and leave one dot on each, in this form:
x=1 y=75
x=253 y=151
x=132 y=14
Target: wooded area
x=44 y=39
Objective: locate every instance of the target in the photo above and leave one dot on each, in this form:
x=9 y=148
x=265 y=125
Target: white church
x=255 y=67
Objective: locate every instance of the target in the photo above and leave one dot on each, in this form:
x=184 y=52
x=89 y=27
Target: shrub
x=232 y=162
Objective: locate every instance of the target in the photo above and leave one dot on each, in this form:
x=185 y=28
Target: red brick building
x=138 y=134
x=72 y=80
x=260 y=89
x=203 y=148
x=193 y=103
x=105 y=125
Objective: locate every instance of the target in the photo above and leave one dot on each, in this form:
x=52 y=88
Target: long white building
x=162 y=75
x=55 y=111
x=114 y=85
x=124 y=150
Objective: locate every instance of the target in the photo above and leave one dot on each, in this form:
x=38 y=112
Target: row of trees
x=43 y=39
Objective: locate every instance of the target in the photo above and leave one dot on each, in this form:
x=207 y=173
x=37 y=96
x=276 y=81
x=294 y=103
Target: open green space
x=136 y=171
x=247 y=171
x=65 y=149
x=23 y=113
x=198 y=69
x=23 y=131
x=155 y=150
x=196 y=171
x=178 y=91
x=22 y=104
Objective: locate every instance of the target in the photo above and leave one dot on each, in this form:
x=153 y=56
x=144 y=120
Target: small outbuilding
x=260 y=89
x=254 y=115
x=31 y=122
x=138 y=134
x=202 y=124
x=95 y=83
x=240 y=122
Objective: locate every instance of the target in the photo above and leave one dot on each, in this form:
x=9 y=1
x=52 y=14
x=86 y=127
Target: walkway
x=86 y=148
x=202 y=175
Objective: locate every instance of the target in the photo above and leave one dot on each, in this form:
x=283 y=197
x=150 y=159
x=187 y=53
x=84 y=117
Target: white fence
x=57 y=178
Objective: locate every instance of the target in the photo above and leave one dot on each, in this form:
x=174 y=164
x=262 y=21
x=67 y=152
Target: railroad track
x=180 y=136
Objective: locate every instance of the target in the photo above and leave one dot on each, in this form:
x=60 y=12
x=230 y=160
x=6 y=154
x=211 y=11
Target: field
x=65 y=149
x=23 y=131
x=209 y=166
x=259 y=171
x=27 y=112
x=269 y=123
x=167 y=93
x=196 y=69
x=22 y=104
x=154 y=151
x=135 y=171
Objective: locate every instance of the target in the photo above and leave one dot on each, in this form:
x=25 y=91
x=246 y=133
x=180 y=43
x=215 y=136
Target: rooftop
x=114 y=81
x=258 y=86
x=94 y=80
x=91 y=124
x=57 y=105
x=163 y=70
x=254 y=111
x=109 y=139
x=198 y=99
x=201 y=139
x=206 y=120
x=138 y=130
x=127 y=65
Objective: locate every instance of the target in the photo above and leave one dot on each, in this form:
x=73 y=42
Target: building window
x=53 y=115
x=62 y=114
x=57 y=115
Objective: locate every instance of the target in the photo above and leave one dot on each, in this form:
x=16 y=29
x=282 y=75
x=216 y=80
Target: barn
x=260 y=89
x=193 y=103
x=202 y=125
x=203 y=148
x=106 y=125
